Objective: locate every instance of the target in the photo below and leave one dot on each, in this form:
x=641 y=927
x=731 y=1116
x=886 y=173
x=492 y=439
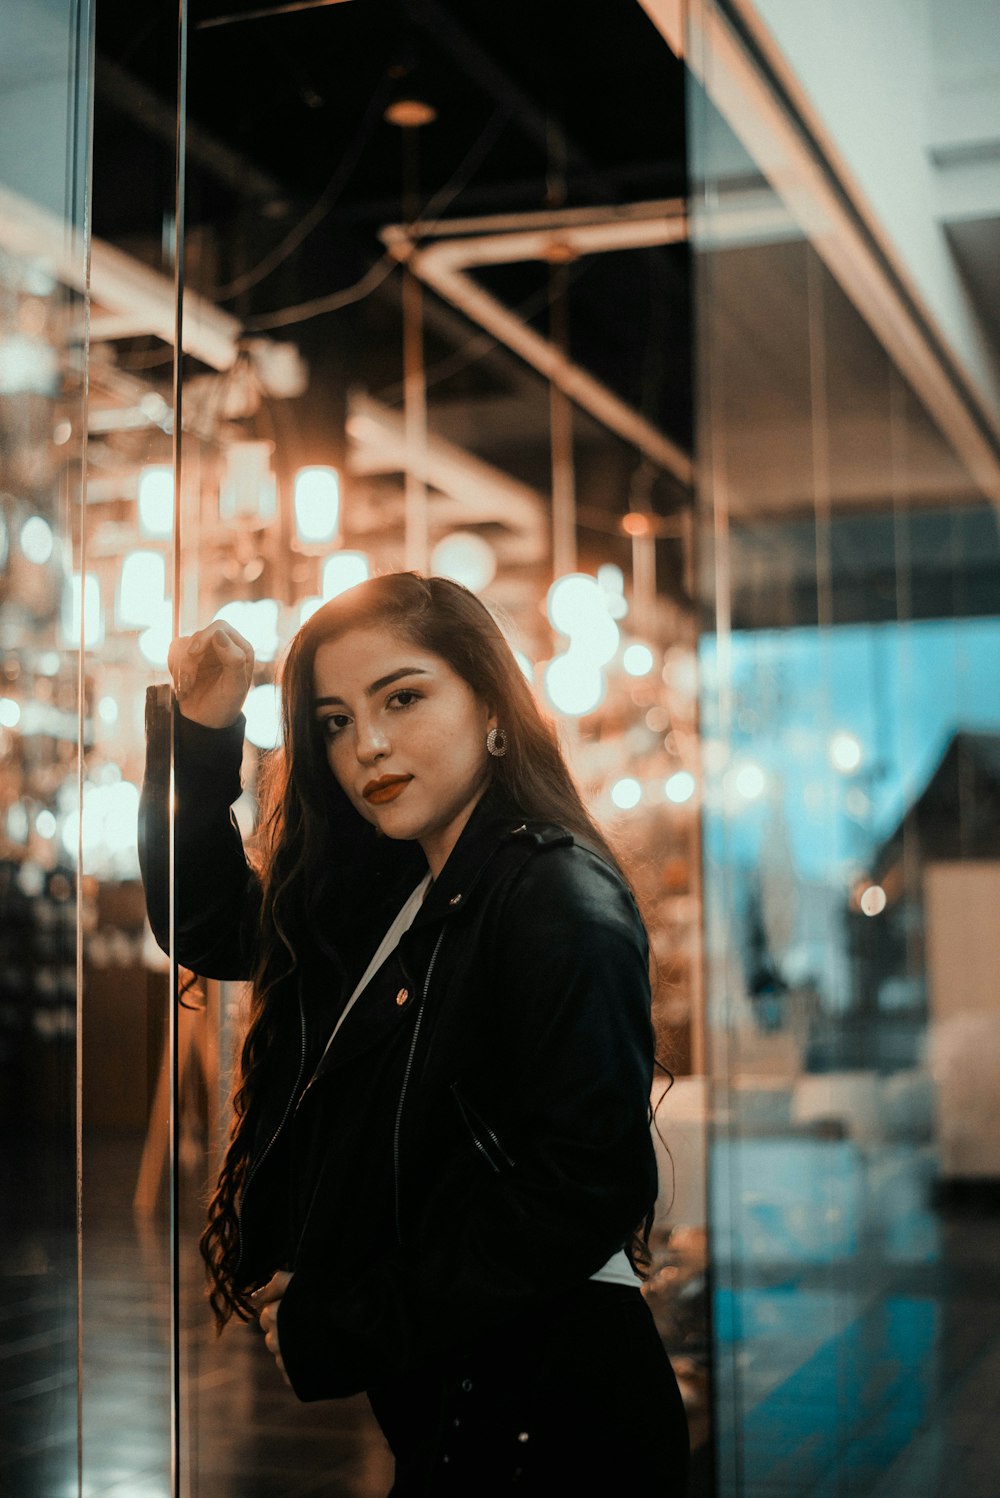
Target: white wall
x=869 y=71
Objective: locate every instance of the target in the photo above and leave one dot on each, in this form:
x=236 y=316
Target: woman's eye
x=333 y=725
x=404 y=698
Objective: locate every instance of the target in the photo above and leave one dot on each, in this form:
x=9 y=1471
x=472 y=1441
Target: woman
x=440 y=1151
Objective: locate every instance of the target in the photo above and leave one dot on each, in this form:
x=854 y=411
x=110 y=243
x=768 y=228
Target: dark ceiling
x=540 y=104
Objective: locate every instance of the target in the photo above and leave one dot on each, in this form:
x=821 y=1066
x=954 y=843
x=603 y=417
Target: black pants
x=582 y=1394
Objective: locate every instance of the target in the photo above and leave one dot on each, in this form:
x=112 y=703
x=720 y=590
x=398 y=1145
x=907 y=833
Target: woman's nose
x=372 y=743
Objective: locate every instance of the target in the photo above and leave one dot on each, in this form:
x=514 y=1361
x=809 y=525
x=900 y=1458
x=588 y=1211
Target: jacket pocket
x=483 y=1136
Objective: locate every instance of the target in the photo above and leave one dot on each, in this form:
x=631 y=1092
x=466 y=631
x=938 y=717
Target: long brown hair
x=311 y=843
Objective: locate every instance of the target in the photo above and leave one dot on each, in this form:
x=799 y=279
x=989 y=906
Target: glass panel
x=45 y=93
x=128 y=1342
x=850 y=717
x=342 y=416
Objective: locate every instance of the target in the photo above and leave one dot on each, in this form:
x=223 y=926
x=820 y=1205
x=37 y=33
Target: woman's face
x=405 y=736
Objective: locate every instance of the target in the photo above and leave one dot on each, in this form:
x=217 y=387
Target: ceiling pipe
x=444 y=267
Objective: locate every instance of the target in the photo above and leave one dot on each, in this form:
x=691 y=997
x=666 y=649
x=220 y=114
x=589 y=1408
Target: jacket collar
x=494 y=819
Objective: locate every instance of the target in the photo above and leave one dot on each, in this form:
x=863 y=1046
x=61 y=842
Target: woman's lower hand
x=212 y=672
x=267 y=1300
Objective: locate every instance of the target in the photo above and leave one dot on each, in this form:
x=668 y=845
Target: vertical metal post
x=417 y=519
x=173 y=1035
x=82 y=124
x=561 y=433
x=416 y=516
x=644 y=580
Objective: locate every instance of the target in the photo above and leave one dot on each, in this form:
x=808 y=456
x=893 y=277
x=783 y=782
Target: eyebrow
x=376 y=686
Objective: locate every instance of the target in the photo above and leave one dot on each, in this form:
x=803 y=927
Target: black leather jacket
x=477 y=1137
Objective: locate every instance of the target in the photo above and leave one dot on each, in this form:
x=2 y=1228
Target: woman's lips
x=384 y=791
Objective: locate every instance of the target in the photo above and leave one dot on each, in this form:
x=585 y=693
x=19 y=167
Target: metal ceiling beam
x=483 y=494
x=117 y=283
x=444 y=266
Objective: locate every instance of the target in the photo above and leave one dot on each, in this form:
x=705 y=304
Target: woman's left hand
x=268 y=1302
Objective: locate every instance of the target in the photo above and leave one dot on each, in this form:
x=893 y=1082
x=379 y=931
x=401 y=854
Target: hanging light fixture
x=407 y=109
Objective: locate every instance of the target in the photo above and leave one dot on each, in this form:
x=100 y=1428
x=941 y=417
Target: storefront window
x=850 y=721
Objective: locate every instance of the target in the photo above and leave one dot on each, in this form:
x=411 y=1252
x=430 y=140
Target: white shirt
x=618 y=1270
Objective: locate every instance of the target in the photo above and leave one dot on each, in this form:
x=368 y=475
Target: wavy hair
x=312 y=844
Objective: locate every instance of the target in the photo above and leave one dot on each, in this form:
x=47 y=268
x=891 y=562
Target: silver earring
x=496 y=742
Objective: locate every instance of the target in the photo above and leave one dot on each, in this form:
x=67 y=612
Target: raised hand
x=212 y=671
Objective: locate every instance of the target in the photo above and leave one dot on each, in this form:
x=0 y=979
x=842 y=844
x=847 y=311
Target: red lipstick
x=385 y=789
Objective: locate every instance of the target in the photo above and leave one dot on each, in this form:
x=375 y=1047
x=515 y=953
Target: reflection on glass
x=44 y=98
x=850 y=723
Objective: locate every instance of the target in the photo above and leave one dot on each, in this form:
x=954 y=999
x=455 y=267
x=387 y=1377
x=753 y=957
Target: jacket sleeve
x=217 y=895
x=571 y=978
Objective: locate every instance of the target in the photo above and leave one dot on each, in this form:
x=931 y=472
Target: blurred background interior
x=671 y=329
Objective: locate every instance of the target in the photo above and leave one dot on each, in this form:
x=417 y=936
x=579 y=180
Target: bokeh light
x=156 y=500
x=638 y=659
x=317 y=504
x=574 y=685
x=154 y=642
x=345 y=569
x=257 y=621
x=263 y=714
x=680 y=787
x=573 y=601
x=626 y=793
x=93 y=623
x=37 y=540
x=110 y=827
x=611 y=579
x=845 y=752
x=141 y=590
x=750 y=781
x=466 y=558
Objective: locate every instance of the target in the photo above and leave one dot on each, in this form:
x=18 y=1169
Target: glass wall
x=436 y=314
x=341 y=415
x=44 y=102
x=850 y=706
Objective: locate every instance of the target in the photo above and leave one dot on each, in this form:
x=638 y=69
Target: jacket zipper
x=468 y=1114
x=275 y=1136
x=406 y=1080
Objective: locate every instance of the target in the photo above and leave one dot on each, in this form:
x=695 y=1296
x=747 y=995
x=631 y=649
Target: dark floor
x=871 y=1379
x=243 y=1433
